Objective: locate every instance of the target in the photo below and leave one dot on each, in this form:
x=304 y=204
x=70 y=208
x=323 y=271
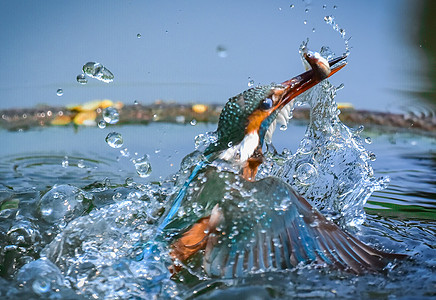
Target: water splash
x=203 y=140
x=98 y=71
x=331 y=167
x=250 y=82
x=43 y=278
x=65 y=163
x=96 y=252
x=306 y=173
x=330 y=20
x=62 y=203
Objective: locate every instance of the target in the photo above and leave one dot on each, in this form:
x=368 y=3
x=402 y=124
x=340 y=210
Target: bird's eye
x=266 y=104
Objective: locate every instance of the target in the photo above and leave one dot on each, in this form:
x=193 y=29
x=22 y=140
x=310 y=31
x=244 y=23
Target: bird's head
x=246 y=117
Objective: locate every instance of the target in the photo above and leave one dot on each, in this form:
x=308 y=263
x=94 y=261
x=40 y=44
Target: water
x=81 y=78
x=221 y=51
x=111 y=115
x=74 y=213
x=332 y=167
x=98 y=71
x=114 y=139
x=86 y=245
x=101 y=124
x=143 y=166
x=61 y=204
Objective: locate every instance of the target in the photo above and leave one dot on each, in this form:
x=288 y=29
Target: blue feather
x=151 y=247
x=178 y=200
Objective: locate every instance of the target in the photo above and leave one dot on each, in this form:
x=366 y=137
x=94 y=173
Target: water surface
x=98 y=179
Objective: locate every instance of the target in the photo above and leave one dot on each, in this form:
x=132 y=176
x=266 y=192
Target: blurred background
x=208 y=51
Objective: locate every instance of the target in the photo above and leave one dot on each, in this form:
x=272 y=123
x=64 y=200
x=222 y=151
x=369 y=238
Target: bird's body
x=233 y=226
x=227 y=224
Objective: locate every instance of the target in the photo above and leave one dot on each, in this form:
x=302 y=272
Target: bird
x=226 y=223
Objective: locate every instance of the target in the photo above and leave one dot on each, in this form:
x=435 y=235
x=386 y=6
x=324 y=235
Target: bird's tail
x=151 y=247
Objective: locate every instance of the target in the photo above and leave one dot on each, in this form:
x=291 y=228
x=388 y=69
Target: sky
x=44 y=45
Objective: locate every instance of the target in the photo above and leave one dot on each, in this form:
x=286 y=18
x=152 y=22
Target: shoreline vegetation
x=90 y=113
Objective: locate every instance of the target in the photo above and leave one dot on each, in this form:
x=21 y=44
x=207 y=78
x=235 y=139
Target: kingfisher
x=226 y=223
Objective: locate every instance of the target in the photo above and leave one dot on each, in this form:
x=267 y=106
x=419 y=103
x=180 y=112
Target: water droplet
x=221 y=51
x=280 y=8
x=125 y=152
x=286 y=152
x=306 y=10
x=334 y=7
x=98 y=71
x=306 y=173
x=368 y=140
x=101 y=124
x=117 y=196
x=81 y=78
x=46 y=211
x=372 y=156
x=60 y=203
x=306 y=145
x=292 y=6
x=65 y=162
x=111 y=115
x=313 y=29
x=81 y=164
x=250 y=82
x=135 y=102
x=193 y=122
x=143 y=166
x=203 y=140
x=41 y=286
x=342 y=32
x=79 y=197
x=114 y=139
x=328 y=19
x=283 y=127
x=324 y=6
x=180 y=119
x=138 y=35
x=305 y=22
x=129 y=181
x=59 y=92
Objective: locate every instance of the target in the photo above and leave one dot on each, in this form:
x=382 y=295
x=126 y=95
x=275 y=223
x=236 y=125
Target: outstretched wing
x=277 y=229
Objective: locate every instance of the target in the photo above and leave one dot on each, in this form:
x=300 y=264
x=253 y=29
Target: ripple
x=44 y=170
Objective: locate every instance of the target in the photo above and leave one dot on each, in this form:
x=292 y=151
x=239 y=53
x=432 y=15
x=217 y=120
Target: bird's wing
x=274 y=228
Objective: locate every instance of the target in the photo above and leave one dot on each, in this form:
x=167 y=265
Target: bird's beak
x=321 y=69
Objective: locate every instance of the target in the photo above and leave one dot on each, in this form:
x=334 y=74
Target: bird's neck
x=249 y=170
x=241 y=152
